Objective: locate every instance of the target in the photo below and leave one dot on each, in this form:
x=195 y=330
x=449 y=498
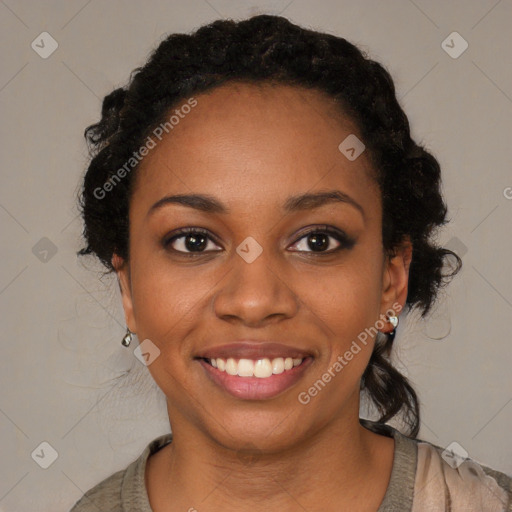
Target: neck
x=334 y=468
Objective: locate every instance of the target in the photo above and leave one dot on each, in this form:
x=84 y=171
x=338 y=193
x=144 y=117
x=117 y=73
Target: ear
x=122 y=269
x=395 y=278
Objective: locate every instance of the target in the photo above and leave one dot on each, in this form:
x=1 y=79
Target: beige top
x=421 y=481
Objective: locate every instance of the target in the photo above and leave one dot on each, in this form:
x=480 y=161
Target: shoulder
x=104 y=496
x=125 y=489
x=428 y=478
x=447 y=481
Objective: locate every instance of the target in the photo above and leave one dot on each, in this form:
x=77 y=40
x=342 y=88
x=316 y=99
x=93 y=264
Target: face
x=267 y=259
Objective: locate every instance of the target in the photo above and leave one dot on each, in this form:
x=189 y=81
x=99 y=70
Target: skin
x=252 y=147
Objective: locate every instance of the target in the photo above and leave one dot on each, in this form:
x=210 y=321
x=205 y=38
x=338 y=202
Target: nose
x=256 y=293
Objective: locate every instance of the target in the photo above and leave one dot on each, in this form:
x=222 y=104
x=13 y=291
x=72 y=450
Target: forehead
x=246 y=140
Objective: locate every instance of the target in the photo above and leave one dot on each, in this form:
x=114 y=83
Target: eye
x=319 y=240
x=190 y=240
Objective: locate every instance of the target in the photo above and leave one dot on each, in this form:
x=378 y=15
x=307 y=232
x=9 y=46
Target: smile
x=261 y=368
x=257 y=379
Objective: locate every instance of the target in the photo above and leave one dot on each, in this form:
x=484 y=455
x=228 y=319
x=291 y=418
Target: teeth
x=245 y=367
x=231 y=366
x=277 y=365
x=261 y=368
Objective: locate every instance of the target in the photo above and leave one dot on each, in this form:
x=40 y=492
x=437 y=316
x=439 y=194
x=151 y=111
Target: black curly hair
x=271 y=49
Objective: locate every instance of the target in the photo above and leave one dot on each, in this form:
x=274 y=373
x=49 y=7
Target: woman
x=258 y=194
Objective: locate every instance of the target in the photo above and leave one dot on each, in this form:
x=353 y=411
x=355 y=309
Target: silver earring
x=127 y=338
x=393 y=320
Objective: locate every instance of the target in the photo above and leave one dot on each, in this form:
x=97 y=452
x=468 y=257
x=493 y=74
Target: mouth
x=260 y=368
x=254 y=370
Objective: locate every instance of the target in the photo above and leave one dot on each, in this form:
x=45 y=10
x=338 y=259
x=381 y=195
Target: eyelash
x=344 y=240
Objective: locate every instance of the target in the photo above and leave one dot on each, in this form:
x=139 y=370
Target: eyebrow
x=307 y=201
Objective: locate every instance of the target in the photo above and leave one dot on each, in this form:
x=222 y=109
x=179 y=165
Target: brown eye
x=320 y=240
x=190 y=240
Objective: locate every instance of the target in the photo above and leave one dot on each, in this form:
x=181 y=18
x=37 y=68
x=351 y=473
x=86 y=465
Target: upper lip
x=253 y=350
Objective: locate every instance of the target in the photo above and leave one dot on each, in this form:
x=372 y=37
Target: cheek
x=166 y=303
x=346 y=298
x=347 y=304
x=167 y=306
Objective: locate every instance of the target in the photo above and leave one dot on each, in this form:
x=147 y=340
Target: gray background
x=62 y=325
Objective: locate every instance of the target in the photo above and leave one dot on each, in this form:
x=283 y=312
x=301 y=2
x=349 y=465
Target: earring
x=393 y=320
x=127 y=338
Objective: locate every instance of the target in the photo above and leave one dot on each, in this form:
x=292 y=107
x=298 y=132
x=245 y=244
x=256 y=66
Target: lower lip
x=255 y=388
